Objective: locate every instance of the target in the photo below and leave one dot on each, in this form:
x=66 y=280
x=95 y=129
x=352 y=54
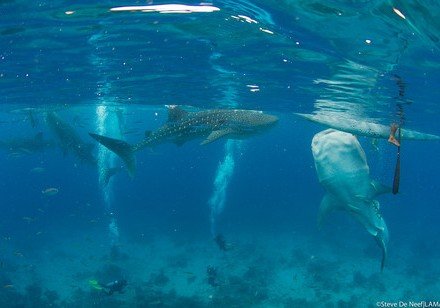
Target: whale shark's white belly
x=341 y=163
x=342 y=169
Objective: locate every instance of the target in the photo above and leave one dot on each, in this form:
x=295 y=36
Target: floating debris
x=52 y=191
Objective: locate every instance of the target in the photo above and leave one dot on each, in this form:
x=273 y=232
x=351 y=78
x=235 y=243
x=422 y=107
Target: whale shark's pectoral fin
x=217 y=134
x=328 y=204
x=379 y=188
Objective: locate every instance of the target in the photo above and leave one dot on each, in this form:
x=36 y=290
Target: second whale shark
x=341 y=166
x=70 y=141
x=183 y=126
x=363 y=128
x=27 y=145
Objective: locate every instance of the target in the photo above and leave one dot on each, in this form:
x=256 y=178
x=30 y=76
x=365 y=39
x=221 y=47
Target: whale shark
x=342 y=169
x=183 y=126
x=27 y=145
x=364 y=128
x=70 y=141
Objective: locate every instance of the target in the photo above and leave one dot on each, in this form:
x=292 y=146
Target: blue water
x=114 y=73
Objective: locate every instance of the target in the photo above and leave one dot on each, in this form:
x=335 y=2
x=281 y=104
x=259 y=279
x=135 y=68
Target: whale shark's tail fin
x=121 y=148
x=107 y=175
x=366 y=211
x=383 y=246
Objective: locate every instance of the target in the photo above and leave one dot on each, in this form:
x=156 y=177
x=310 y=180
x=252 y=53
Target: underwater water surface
x=209 y=192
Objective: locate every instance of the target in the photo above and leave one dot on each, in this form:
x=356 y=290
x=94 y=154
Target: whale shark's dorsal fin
x=328 y=204
x=379 y=188
x=176 y=113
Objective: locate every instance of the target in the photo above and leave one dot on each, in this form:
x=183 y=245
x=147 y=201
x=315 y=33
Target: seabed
x=285 y=269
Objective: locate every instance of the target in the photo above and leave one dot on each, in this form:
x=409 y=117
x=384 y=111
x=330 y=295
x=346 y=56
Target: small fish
x=8 y=286
x=131 y=131
x=28 y=219
x=375 y=144
x=52 y=191
x=39 y=233
x=155 y=303
x=25 y=151
x=18 y=254
x=15 y=155
x=37 y=170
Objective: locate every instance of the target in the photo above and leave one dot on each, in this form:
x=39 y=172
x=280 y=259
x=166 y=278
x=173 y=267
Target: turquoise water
x=70 y=69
